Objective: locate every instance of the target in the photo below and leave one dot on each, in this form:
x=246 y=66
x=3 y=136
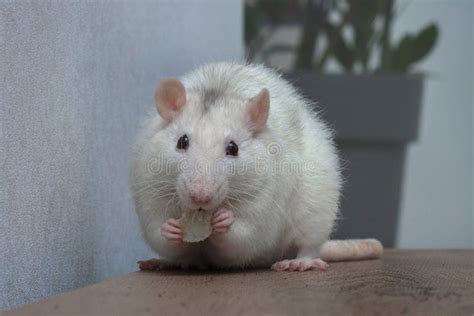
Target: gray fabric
x=77 y=78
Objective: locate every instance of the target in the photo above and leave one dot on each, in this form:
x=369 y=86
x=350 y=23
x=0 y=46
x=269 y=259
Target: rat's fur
x=283 y=187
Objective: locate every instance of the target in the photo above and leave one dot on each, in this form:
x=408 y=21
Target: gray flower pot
x=375 y=117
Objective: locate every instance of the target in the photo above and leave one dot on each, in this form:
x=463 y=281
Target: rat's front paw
x=222 y=220
x=172 y=230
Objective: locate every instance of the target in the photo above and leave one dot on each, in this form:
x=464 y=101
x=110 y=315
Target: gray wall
x=77 y=77
x=437 y=207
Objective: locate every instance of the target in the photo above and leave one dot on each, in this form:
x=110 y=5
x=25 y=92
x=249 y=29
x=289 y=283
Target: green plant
x=368 y=49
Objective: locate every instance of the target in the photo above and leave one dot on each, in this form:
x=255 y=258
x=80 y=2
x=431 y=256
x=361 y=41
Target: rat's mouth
x=205 y=209
x=202 y=209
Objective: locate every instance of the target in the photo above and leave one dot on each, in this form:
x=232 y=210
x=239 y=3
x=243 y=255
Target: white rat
x=239 y=141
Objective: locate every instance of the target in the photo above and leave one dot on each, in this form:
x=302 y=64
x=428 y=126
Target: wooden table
x=412 y=282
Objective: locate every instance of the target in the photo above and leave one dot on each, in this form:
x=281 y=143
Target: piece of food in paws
x=196 y=225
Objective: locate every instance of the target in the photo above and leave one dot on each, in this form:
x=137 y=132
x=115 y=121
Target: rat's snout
x=200 y=196
x=202 y=186
x=201 y=192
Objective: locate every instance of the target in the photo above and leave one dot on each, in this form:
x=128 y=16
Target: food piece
x=196 y=225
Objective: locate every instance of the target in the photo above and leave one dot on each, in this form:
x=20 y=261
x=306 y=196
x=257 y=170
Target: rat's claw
x=219 y=212
x=281 y=265
x=171 y=230
x=222 y=220
x=173 y=222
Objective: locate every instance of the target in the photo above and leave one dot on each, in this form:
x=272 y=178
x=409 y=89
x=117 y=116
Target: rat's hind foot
x=156 y=265
x=300 y=264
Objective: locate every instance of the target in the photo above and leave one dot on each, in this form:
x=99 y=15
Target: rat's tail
x=352 y=249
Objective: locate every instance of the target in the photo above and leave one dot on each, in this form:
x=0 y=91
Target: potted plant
x=373 y=101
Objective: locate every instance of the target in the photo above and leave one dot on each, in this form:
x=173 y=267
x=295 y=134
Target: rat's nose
x=200 y=198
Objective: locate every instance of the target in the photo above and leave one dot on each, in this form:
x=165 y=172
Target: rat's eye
x=183 y=142
x=232 y=149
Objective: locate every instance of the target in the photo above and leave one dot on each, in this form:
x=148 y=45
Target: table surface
x=408 y=282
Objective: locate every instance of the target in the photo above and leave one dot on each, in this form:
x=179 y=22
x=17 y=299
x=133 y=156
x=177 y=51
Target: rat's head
x=213 y=141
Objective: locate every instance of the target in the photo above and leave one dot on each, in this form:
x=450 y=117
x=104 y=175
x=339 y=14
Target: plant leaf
x=254 y=19
x=413 y=48
x=343 y=53
x=362 y=14
x=424 y=42
x=401 y=56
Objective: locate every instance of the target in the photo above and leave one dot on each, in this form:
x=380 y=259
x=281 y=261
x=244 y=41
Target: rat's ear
x=257 y=110
x=170 y=97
